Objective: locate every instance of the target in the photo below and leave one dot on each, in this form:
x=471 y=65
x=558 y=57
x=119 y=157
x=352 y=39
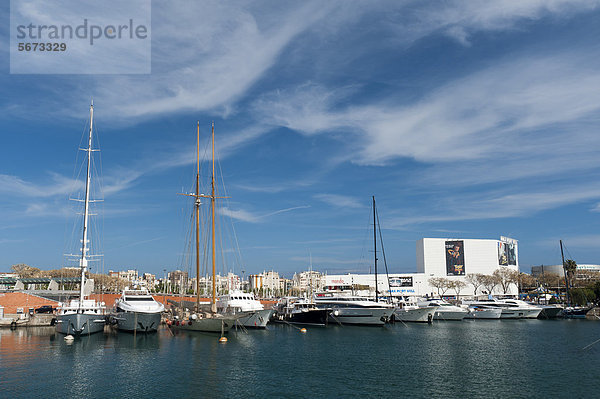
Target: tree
x=505 y=277
x=570 y=269
x=26 y=271
x=581 y=296
x=457 y=286
x=442 y=284
x=475 y=280
x=489 y=282
x=527 y=282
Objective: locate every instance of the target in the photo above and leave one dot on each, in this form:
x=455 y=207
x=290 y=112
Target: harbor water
x=491 y=359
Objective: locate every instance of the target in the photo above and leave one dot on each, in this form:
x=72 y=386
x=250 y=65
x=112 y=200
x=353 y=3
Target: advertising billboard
x=507 y=254
x=401 y=282
x=455 y=258
x=502 y=254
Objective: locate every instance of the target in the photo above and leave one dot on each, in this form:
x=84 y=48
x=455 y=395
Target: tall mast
x=84 y=248
x=565 y=271
x=375 y=249
x=197 y=210
x=213 y=303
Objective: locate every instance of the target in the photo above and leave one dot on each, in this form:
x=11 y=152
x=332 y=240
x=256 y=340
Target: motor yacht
x=136 y=310
x=445 y=310
x=253 y=313
x=347 y=309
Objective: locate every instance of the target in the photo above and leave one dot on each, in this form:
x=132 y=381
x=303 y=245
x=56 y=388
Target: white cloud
x=59 y=185
x=341 y=201
x=249 y=217
x=485 y=115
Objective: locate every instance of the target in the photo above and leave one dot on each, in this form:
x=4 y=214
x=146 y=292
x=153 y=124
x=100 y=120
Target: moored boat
x=198 y=318
x=294 y=310
x=483 y=312
x=354 y=309
x=137 y=310
x=83 y=316
x=445 y=310
x=252 y=313
x=414 y=313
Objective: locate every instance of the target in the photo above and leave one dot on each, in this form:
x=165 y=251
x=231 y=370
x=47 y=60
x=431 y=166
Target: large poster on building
x=511 y=253
x=502 y=254
x=507 y=253
x=455 y=258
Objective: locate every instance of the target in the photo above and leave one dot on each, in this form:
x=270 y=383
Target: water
x=536 y=358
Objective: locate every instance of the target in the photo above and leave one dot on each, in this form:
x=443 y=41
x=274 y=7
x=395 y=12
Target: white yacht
x=238 y=302
x=445 y=310
x=354 y=309
x=80 y=317
x=511 y=308
x=483 y=312
x=409 y=311
x=137 y=310
x=83 y=316
x=529 y=311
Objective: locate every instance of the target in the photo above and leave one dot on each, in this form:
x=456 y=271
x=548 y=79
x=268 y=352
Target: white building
x=269 y=282
x=450 y=258
x=558 y=269
x=308 y=281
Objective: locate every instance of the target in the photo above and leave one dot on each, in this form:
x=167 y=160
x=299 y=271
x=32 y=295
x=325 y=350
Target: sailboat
x=571 y=312
x=81 y=315
x=199 y=319
x=404 y=309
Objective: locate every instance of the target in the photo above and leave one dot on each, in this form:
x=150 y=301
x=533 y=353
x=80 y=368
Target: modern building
x=450 y=258
x=538 y=271
x=269 y=283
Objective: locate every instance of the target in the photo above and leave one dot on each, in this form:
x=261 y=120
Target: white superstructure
x=445 y=310
x=348 y=309
x=137 y=310
x=238 y=302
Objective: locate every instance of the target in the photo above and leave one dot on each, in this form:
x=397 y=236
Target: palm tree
x=570 y=268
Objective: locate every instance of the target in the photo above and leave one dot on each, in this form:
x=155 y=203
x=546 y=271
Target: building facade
x=449 y=258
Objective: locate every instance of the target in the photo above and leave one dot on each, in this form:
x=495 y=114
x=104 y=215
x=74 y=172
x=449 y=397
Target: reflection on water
x=446 y=359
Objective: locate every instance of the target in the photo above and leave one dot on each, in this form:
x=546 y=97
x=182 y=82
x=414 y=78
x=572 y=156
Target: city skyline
x=463 y=122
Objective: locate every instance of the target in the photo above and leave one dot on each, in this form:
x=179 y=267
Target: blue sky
x=466 y=119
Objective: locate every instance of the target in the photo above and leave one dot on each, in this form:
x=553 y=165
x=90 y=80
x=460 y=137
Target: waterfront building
x=450 y=258
x=268 y=283
x=538 y=271
x=306 y=281
x=130 y=275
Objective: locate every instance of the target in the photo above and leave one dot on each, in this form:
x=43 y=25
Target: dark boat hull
x=315 y=317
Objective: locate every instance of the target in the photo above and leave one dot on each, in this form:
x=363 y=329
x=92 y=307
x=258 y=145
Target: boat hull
x=454 y=315
x=550 y=312
x=361 y=316
x=256 y=319
x=206 y=324
x=136 y=321
x=418 y=315
x=486 y=314
x=315 y=317
x=80 y=323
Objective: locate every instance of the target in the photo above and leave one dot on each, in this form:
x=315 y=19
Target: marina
x=469 y=359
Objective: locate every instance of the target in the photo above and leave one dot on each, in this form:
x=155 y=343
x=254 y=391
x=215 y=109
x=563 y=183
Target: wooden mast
x=197 y=210
x=213 y=304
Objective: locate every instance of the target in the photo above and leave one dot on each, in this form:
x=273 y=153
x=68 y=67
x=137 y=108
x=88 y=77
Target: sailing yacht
x=81 y=315
x=199 y=319
x=137 y=310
